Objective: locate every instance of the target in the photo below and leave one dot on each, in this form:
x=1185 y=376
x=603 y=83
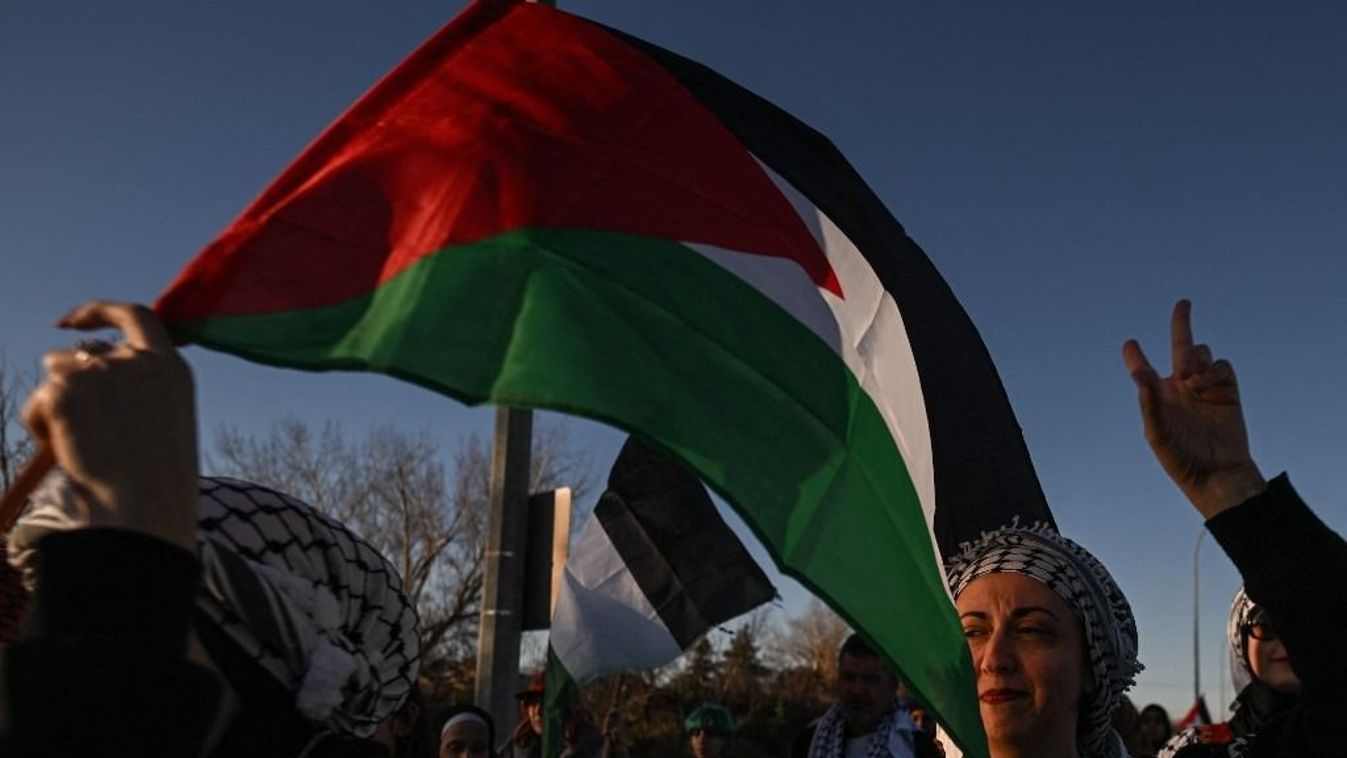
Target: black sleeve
x=105 y=673
x=800 y=748
x=1295 y=567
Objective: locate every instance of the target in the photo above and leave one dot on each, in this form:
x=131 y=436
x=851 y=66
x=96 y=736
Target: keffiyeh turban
x=1243 y=612
x=313 y=605
x=1083 y=583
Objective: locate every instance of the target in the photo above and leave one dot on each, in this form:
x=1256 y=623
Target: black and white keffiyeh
x=892 y=738
x=1202 y=735
x=312 y=604
x=1243 y=612
x=1080 y=580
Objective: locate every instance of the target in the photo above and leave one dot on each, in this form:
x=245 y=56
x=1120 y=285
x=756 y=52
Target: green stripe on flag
x=649 y=336
x=559 y=694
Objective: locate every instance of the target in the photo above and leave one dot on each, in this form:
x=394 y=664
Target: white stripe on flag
x=603 y=622
x=865 y=327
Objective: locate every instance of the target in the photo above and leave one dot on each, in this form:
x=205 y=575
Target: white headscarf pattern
x=1083 y=583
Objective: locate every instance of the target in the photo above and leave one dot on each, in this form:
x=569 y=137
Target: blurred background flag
x=655 y=568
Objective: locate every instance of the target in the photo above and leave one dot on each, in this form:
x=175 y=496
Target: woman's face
x=707 y=744
x=466 y=739
x=1029 y=654
x=533 y=711
x=1270 y=663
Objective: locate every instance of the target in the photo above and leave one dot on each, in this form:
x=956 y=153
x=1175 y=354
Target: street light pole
x=1197 y=642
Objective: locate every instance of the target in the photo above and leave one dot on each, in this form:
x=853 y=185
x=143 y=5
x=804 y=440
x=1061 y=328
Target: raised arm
x=1193 y=420
x=112 y=606
x=1291 y=562
x=121 y=423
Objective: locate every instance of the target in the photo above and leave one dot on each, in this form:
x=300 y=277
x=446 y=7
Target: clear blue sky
x=1072 y=168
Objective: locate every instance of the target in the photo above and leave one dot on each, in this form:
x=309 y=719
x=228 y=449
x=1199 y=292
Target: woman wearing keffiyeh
x=173 y=616
x=1292 y=564
x=1268 y=688
x=304 y=621
x=1053 y=639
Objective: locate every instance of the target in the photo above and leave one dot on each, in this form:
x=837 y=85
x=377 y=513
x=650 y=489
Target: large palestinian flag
x=534 y=210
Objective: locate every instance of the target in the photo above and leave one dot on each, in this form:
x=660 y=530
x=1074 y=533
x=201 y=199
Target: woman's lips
x=1001 y=696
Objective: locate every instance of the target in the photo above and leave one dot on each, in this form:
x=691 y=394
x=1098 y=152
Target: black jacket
x=1295 y=567
x=106 y=672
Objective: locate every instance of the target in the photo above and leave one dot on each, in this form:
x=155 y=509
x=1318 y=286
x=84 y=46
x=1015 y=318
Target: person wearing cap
x=710 y=732
x=579 y=737
x=526 y=739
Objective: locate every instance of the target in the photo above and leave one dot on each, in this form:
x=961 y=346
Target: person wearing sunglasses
x=1292 y=563
x=1256 y=650
x=1261 y=671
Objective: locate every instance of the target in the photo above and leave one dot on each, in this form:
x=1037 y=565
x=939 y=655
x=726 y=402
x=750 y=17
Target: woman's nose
x=998 y=653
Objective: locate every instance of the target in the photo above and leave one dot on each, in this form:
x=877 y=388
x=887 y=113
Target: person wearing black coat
x=146 y=634
x=1293 y=565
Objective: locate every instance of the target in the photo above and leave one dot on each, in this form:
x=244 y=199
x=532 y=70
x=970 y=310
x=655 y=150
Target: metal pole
x=1197 y=648
x=1221 y=667
x=503 y=572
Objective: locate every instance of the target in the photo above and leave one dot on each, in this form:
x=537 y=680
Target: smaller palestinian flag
x=654 y=569
x=1198 y=715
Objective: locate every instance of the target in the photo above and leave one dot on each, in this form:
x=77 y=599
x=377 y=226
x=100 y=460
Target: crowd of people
x=171 y=614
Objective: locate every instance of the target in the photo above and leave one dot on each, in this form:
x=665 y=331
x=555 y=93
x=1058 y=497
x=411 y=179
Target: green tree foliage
x=774 y=678
x=697 y=681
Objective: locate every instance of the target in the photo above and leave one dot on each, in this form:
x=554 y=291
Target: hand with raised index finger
x=1193 y=419
x=121 y=423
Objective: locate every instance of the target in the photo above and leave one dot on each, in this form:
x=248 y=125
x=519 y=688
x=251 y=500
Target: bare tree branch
x=392 y=488
x=15 y=444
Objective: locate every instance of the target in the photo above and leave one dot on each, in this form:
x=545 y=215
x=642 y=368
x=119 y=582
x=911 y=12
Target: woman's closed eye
x=1036 y=631
x=975 y=632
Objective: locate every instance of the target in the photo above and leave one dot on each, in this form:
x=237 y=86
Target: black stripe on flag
x=983 y=474
x=684 y=557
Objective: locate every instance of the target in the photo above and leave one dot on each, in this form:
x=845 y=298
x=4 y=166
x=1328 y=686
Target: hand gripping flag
x=534 y=210
x=655 y=568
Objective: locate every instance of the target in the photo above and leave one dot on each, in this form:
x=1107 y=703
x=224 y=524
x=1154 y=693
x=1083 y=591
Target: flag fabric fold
x=654 y=569
x=535 y=210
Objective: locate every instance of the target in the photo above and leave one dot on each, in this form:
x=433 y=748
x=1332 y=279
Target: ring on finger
x=88 y=349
